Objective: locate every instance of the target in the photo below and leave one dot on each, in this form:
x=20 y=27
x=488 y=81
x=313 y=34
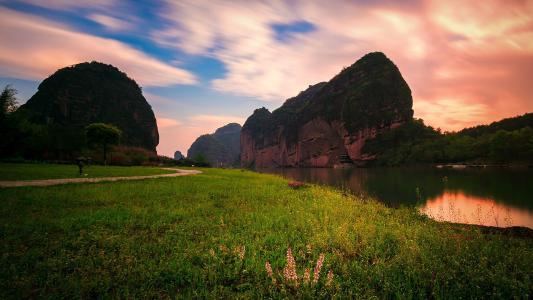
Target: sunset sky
x=203 y=64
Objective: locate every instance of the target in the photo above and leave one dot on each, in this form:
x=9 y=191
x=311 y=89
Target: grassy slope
x=10 y=171
x=174 y=237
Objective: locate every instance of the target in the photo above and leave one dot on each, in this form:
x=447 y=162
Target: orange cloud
x=467 y=62
x=167 y=122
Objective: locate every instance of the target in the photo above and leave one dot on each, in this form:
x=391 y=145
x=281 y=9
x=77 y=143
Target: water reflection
x=495 y=197
x=458 y=207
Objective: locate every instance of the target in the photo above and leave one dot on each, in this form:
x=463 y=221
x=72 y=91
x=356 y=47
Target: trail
x=49 y=182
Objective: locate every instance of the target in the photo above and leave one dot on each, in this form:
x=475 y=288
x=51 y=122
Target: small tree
x=8 y=101
x=102 y=135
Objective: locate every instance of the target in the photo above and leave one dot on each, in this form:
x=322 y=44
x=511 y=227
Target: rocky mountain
x=221 y=148
x=328 y=123
x=76 y=96
x=178 y=155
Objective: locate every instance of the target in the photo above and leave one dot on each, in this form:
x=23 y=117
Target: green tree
x=201 y=160
x=8 y=101
x=102 y=135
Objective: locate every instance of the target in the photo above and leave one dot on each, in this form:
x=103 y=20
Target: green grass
x=175 y=238
x=13 y=171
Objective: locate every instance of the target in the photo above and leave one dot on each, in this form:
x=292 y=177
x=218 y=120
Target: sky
x=203 y=64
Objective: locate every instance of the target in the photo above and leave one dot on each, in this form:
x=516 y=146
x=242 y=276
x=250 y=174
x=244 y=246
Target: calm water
x=493 y=197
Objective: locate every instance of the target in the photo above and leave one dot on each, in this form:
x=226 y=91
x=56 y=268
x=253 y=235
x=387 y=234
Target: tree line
x=506 y=141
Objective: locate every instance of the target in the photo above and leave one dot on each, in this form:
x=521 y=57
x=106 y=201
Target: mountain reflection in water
x=493 y=197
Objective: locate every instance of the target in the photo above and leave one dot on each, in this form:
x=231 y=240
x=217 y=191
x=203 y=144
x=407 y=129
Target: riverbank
x=212 y=235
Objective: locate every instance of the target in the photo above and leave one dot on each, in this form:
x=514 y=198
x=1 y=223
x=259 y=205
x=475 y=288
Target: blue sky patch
x=284 y=32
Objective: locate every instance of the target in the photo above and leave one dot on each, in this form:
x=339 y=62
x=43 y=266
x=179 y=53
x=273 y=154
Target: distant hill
x=76 y=96
x=330 y=122
x=178 y=155
x=220 y=148
x=507 y=141
x=509 y=124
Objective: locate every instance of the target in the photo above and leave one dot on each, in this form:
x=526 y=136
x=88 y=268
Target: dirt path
x=48 y=182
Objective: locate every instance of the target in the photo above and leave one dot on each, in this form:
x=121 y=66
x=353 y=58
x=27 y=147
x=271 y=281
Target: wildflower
x=240 y=251
x=318 y=266
x=307 y=275
x=329 y=278
x=270 y=274
x=289 y=272
x=268 y=268
x=223 y=248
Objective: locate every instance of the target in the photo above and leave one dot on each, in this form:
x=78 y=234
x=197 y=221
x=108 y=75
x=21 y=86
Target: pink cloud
x=466 y=62
x=167 y=122
x=33 y=48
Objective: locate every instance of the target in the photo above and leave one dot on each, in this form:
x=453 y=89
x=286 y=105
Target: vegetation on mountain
x=51 y=125
x=508 y=140
x=329 y=119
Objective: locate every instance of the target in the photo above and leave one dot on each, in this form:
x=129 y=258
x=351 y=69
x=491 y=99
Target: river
x=499 y=197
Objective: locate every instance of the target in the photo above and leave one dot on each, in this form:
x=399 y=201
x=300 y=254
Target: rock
x=220 y=149
x=178 y=155
x=86 y=93
x=330 y=121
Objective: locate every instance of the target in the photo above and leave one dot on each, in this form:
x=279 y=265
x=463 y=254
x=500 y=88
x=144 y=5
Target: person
x=80 y=164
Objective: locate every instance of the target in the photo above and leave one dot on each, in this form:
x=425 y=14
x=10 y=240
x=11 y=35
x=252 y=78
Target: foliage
x=131 y=156
x=211 y=235
x=187 y=162
x=414 y=142
x=8 y=101
x=200 y=160
x=103 y=135
x=509 y=124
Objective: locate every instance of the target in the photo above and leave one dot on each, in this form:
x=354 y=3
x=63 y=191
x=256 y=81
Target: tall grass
x=225 y=234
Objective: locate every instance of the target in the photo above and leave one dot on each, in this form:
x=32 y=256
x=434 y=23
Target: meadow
x=226 y=234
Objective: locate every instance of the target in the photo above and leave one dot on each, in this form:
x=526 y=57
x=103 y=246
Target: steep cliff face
x=330 y=121
x=76 y=96
x=221 y=148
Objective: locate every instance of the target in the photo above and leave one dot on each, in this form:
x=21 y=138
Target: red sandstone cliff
x=329 y=121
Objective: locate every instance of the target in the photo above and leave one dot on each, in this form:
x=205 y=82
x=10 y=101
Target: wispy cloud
x=70 y=4
x=111 y=23
x=33 y=48
x=218 y=119
x=167 y=122
x=455 y=50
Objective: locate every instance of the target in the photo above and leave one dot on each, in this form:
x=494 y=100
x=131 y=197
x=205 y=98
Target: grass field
x=11 y=171
x=210 y=235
